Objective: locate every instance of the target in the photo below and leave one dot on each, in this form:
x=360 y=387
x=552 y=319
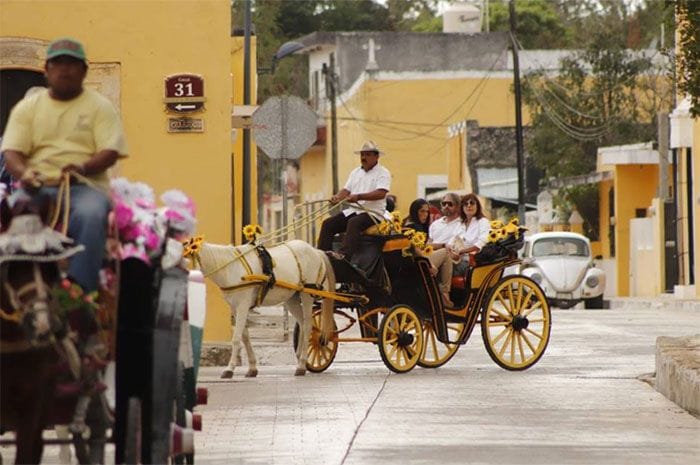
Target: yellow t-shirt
x=54 y=133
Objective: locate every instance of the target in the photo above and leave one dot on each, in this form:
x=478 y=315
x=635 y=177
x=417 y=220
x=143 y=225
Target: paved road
x=583 y=403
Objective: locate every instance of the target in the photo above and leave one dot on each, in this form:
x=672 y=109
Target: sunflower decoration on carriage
x=504 y=240
x=410 y=241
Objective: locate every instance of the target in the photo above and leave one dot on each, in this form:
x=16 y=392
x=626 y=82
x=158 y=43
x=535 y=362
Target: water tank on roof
x=464 y=17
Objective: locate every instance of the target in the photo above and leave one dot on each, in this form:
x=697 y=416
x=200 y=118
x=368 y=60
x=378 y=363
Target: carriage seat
x=459 y=282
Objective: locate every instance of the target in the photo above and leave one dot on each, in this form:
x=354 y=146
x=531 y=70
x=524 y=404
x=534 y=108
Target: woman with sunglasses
x=473 y=235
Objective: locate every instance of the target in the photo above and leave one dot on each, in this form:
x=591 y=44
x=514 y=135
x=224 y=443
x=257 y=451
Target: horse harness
x=267 y=280
x=31 y=297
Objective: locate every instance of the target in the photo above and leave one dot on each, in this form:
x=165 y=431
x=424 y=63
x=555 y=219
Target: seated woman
x=473 y=234
x=418 y=216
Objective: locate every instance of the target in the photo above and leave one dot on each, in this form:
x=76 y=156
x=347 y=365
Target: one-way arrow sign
x=184 y=107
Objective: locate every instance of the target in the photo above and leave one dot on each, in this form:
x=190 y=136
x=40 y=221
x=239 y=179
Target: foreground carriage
x=397 y=305
x=56 y=376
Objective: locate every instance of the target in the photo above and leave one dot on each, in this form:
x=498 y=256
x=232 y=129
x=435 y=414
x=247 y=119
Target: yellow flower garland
x=192 y=246
x=251 y=232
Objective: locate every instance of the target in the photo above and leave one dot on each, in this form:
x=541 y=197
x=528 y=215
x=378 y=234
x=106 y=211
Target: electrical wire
x=416 y=135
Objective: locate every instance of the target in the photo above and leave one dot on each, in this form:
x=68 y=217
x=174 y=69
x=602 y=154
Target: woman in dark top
x=418 y=216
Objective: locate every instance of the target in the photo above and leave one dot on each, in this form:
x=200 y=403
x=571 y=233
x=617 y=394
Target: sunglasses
x=446 y=204
x=469 y=202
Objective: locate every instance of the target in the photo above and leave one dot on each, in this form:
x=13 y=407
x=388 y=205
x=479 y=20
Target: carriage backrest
x=479 y=274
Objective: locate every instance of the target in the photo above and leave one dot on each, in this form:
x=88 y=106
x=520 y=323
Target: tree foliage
x=688 y=13
x=604 y=94
x=540 y=25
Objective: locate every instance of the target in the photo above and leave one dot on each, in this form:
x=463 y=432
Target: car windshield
x=566 y=246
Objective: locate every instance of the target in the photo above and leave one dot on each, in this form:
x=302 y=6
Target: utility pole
x=518 y=117
x=663 y=124
x=329 y=72
x=246 y=132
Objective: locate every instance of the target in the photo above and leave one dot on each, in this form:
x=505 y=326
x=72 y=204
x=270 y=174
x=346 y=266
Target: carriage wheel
x=515 y=323
x=320 y=354
x=400 y=339
x=435 y=353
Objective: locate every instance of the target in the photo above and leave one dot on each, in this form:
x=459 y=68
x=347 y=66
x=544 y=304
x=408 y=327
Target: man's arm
x=95 y=165
x=15 y=162
x=376 y=194
x=340 y=196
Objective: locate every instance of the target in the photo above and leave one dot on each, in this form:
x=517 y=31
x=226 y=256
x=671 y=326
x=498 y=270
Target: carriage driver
x=366 y=186
x=68 y=129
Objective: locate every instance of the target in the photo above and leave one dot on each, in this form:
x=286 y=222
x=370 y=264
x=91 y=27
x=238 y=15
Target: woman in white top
x=473 y=234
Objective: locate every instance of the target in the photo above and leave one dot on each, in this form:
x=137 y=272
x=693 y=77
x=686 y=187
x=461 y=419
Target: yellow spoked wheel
x=320 y=353
x=436 y=353
x=515 y=323
x=400 y=339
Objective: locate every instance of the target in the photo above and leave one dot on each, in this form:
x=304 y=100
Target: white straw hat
x=370 y=146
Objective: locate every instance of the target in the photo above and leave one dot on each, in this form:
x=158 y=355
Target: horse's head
x=29 y=256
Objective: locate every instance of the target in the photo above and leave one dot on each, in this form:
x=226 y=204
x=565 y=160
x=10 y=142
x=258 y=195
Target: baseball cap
x=66 y=46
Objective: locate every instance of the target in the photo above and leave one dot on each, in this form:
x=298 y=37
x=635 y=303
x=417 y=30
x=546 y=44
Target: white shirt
x=361 y=182
x=443 y=231
x=476 y=233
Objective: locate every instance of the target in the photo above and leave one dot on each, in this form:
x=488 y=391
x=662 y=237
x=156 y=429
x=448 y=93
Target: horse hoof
x=227 y=374
x=251 y=374
x=300 y=372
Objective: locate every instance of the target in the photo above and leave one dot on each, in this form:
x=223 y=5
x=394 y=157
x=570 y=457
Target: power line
x=416 y=135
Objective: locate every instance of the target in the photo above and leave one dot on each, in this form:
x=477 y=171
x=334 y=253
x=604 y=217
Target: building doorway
x=13 y=85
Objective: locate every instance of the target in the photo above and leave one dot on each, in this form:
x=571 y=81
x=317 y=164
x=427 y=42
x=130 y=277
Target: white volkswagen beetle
x=561 y=263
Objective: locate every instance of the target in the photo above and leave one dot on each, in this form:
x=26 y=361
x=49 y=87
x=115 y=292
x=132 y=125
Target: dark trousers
x=352 y=225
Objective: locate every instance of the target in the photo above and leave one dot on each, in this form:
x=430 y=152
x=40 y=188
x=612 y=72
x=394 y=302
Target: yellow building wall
x=150 y=40
x=456 y=163
x=638 y=183
x=604 y=188
x=379 y=111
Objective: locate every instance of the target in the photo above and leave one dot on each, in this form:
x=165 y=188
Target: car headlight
x=536 y=277
x=592 y=281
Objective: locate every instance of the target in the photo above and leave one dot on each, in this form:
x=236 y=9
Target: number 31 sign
x=184 y=93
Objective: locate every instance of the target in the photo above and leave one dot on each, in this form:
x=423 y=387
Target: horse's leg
x=30 y=445
x=307 y=309
x=293 y=306
x=252 y=360
x=240 y=310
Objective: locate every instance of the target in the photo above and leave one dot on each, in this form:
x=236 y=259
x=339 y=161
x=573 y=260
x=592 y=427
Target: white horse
x=294 y=262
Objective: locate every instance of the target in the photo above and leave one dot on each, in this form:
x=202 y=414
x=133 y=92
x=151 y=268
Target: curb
x=678 y=370
x=657 y=303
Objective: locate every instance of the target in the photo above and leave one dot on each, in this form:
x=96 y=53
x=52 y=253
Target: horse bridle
x=30 y=299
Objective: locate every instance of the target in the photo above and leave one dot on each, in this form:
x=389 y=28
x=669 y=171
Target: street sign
x=284 y=127
x=185 y=124
x=184 y=93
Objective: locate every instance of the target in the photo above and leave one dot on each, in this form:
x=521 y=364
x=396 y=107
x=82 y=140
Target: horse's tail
x=328 y=304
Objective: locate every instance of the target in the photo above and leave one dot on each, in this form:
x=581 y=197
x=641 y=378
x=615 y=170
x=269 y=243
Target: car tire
x=595 y=302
